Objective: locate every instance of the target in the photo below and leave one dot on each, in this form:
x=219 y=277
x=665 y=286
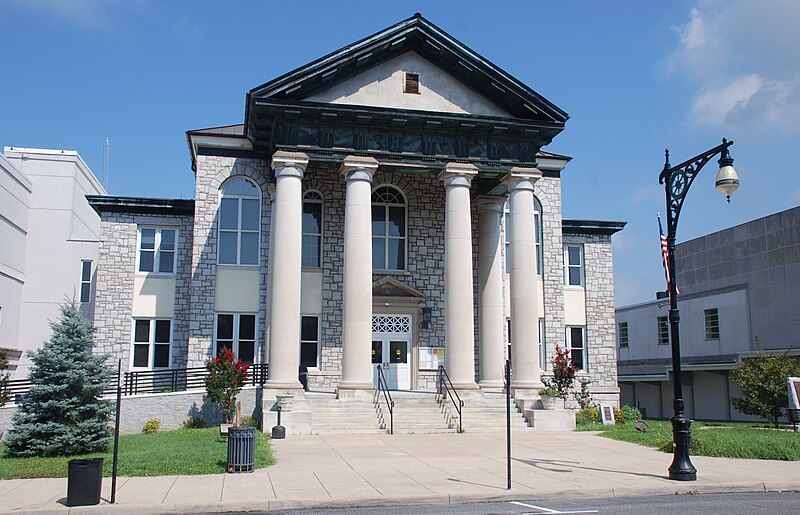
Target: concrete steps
x=414 y=412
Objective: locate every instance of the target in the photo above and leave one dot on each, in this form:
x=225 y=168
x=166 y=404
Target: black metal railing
x=445 y=388
x=140 y=382
x=383 y=387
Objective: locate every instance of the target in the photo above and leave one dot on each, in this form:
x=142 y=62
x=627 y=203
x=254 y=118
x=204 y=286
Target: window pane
x=148 y=239
x=247 y=352
x=251 y=214
x=308 y=355
x=86 y=270
x=247 y=327
x=167 y=239
x=224 y=327
x=141 y=331
x=577 y=357
x=378 y=253
x=146 y=260
x=312 y=217
x=162 y=331
x=229 y=213
x=161 y=357
x=227 y=248
x=85 y=291
x=311 y=251
x=140 y=355
x=398 y=352
x=574 y=276
x=223 y=344
x=166 y=261
x=574 y=255
x=397 y=221
x=377 y=352
x=397 y=256
x=378 y=220
x=308 y=329
x=576 y=337
x=249 y=254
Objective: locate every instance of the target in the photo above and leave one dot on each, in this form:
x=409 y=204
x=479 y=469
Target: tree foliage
x=225 y=379
x=63 y=413
x=762 y=380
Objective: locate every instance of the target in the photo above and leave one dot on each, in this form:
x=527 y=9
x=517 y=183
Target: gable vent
x=412 y=83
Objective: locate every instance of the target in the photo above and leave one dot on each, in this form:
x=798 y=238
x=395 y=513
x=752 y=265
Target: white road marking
x=548 y=510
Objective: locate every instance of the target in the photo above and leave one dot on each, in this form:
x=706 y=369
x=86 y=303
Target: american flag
x=665 y=254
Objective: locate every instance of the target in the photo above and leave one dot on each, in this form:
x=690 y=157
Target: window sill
x=156 y=275
x=238 y=267
x=311 y=269
x=574 y=287
x=390 y=272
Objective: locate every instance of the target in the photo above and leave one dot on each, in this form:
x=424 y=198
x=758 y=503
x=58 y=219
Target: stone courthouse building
x=389 y=205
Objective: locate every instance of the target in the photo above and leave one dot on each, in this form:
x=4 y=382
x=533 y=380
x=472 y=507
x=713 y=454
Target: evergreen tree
x=63 y=413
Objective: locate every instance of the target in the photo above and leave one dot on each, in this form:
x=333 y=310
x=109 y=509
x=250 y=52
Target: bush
x=193 y=423
x=763 y=382
x=587 y=415
x=619 y=418
x=225 y=379
x=250 y=421
x=563 y=375
x=152 y=426
x=629 y=414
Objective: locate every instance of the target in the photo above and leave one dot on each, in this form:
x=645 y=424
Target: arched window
x=537 y=222
x=312 y=229
x=388 y=229
x=239 y=222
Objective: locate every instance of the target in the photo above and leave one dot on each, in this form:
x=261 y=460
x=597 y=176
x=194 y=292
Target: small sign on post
x=607 y=414
x=793 y=384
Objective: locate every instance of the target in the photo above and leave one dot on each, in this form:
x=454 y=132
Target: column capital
x=359 y=168
x=458 y=174
x=284 y=162
x=487 y=203
x=521 y=178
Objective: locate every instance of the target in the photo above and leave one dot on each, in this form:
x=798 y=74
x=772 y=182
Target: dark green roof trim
x=578 y=227
x=426 y=39
x=140 y=205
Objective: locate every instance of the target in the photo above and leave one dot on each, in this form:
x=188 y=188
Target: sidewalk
x=363 y=470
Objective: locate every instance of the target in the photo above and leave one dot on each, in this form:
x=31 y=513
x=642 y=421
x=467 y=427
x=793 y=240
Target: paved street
x=379 y=470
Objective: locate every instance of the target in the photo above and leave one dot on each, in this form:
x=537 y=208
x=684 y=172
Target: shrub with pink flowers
x=563 y=375
x=225 y=379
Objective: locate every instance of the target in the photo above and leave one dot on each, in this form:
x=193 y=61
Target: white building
x=49 y=236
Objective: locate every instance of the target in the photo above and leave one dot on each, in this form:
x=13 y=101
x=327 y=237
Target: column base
x=352 y=391
x=492 y=385
x=526 y=390
x=293 y=387
x=468 y=390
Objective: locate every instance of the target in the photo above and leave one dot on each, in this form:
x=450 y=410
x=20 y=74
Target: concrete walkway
x=364 y=470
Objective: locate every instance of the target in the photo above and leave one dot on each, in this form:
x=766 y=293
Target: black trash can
x=241 y=449
x=84 y=481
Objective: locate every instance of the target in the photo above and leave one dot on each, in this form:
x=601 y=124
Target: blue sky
x=634 y=76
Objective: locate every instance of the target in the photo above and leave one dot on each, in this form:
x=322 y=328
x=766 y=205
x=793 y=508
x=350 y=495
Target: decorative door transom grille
x=391 y=323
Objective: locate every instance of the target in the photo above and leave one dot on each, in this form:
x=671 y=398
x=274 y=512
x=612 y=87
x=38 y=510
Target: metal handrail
x=383 y=386
x=445 y=386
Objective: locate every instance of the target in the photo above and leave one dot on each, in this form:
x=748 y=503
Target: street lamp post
x=677 y=180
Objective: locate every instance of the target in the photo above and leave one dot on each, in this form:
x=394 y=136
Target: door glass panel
x=398 y=352
x=377 y=352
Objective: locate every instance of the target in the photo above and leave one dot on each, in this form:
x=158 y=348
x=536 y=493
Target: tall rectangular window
x=712 y=324
x=622 y=329
x=573 y=265
x=663 y=330
x=312 y=230
x=542 y=346
x=576 y=345
x=309 y=341
x=237 y=332
x=86 y=280
x=157 y=250
x=152 y=340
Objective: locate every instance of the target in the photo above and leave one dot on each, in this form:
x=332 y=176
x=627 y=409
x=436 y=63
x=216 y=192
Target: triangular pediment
x=457 y=79
x=390 y=287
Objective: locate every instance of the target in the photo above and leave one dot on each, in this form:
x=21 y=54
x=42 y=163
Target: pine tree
x=63 y=413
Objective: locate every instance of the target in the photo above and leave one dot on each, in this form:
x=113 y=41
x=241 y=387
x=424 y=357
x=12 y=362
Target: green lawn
x=722 y=439
x=183 y=451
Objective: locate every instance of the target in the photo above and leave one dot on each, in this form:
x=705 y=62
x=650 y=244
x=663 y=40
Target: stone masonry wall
x=116 y=270
x=212 y=171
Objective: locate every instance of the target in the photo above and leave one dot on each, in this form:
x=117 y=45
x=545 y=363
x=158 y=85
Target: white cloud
x=745 y=61
x=85 y=14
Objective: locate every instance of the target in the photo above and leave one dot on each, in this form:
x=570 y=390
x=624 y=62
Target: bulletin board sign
x=607 y=414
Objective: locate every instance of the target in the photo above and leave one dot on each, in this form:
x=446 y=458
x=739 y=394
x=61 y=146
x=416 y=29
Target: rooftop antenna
x=105 y=164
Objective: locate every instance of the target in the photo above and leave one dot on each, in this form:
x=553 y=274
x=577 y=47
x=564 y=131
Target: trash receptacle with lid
x=241 y=449
x=84 y=481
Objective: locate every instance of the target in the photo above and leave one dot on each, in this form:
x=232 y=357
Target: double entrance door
x=391 y=350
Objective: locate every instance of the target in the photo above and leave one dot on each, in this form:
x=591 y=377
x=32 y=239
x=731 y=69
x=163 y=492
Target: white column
x=458 y=282
x=491 y=365
x=284 y=327
x=526 y=380
x=356 y=379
